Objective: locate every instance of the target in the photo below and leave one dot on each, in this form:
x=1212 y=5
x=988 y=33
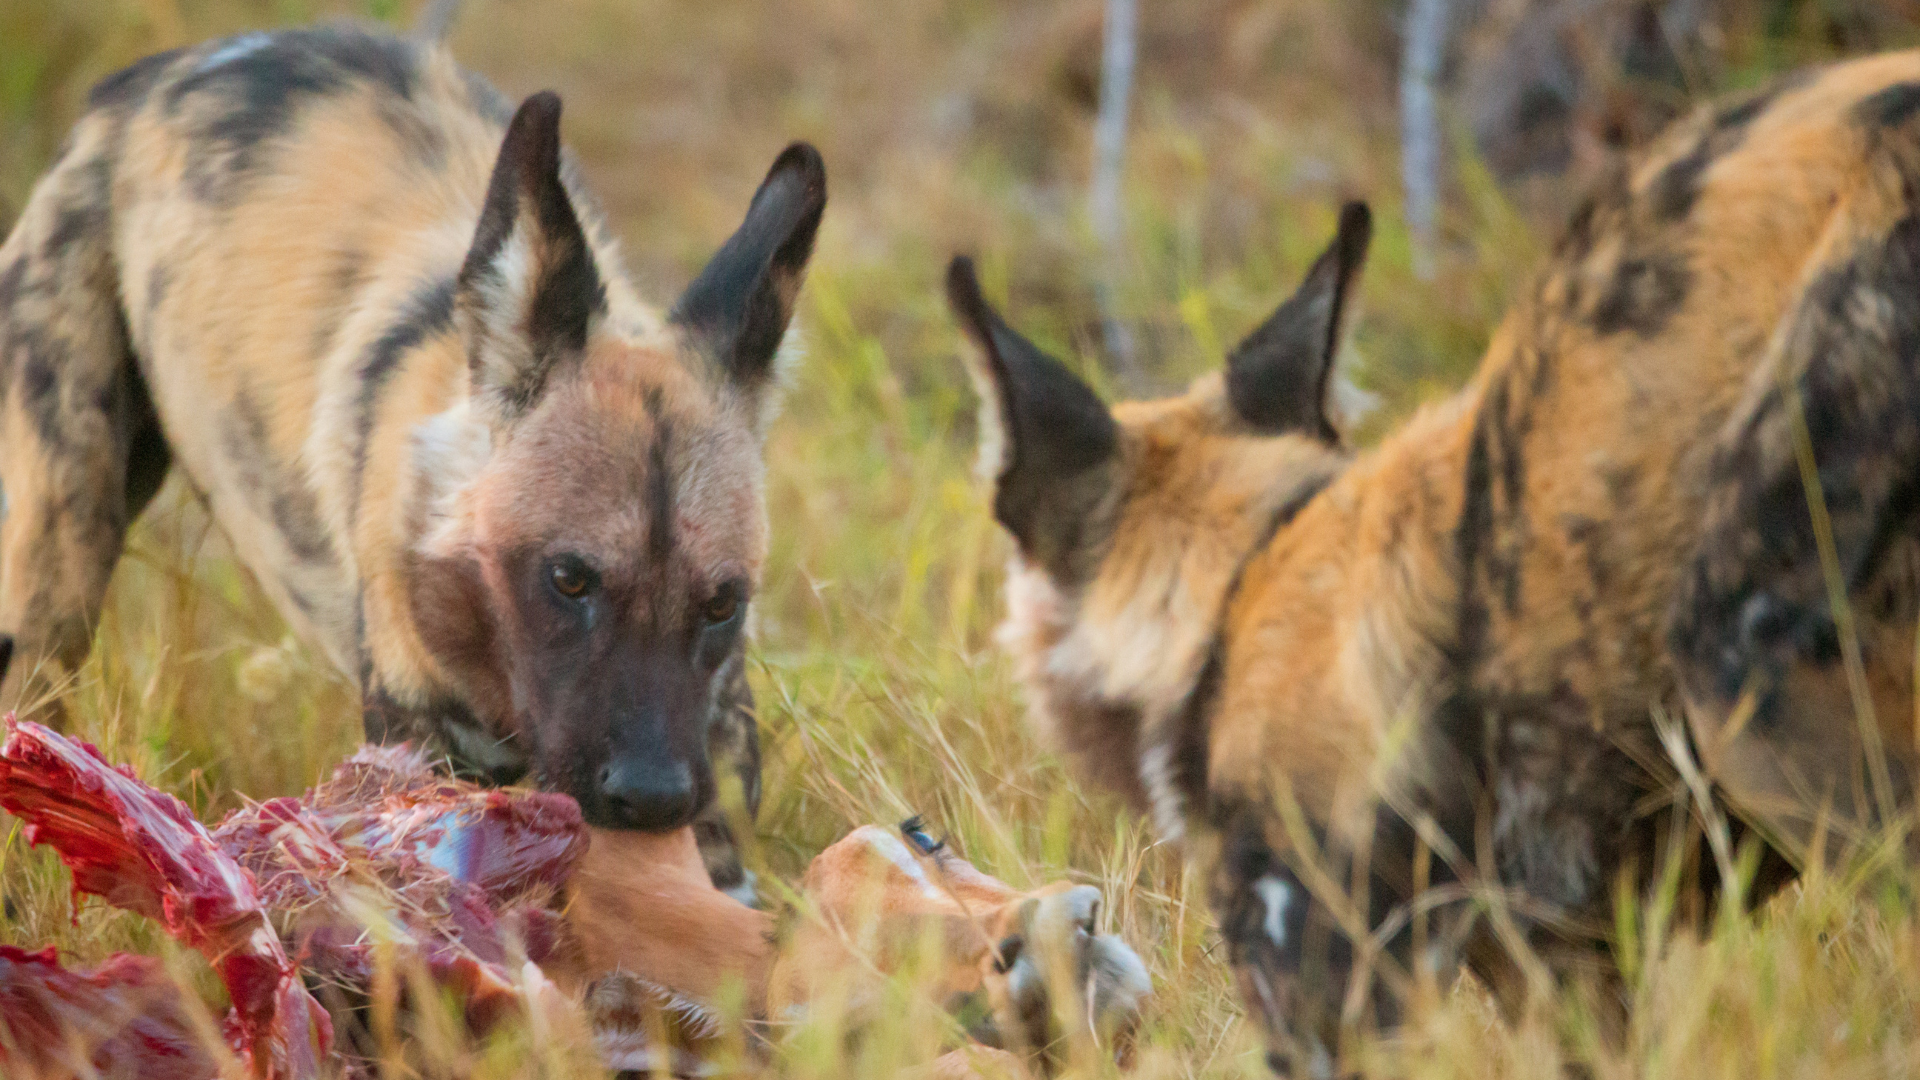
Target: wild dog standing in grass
x=1449 y=654
x=375 y=317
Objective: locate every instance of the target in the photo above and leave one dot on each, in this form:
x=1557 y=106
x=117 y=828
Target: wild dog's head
x=594 y=515
x=1131 y=524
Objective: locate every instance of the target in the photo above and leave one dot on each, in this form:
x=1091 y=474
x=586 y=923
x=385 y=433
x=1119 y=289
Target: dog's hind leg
x=80 y=446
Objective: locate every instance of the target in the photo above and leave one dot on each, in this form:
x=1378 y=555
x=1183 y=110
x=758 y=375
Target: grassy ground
x=952 y=126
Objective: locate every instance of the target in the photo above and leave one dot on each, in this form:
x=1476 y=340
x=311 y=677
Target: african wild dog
x=1450 y=652
x=373 y=315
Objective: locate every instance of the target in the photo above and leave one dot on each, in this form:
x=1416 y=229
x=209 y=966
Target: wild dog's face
x=617 y=536
x=599 y=529
x=1130 y=524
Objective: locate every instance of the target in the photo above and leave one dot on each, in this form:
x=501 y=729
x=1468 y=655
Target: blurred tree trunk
x=436 y=20
x=1104 y=204
x=1551 y=87
x=1424 y=51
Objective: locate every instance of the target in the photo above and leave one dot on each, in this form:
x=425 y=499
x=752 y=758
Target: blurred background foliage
x=965 y=126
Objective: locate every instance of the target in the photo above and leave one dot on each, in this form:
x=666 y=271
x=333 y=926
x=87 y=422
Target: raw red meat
x=125 y=1020
x=460 y=873
x=453 y=876
x=387 y=803
x=142 y=850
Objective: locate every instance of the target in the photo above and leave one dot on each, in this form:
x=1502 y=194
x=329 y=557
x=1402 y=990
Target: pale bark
x=1104 y=202
x=1423 y=52
x=436 y=22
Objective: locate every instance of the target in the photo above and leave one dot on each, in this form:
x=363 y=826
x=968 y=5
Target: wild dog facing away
x=374 y=316
x=1682 y=483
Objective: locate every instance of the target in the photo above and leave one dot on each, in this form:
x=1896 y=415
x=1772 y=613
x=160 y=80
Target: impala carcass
x=512 y=907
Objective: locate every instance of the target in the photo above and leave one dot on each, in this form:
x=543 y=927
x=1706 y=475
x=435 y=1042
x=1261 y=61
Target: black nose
x=655 y=796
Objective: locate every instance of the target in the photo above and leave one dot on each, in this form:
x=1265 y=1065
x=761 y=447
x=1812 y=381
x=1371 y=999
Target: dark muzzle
x=649 y=794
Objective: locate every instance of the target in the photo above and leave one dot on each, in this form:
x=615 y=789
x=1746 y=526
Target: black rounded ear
x=1046 y=438
x=1277 y=379
x=6 y=655
x=737 y=310
x=528 y=291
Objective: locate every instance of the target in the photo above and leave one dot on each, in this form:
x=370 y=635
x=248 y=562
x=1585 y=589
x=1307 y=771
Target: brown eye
x=571 y=577
x=723 y=607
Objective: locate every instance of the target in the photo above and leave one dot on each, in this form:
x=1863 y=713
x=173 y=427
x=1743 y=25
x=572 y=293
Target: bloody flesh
x=461 y=874
x=142 y=850
x=454 y=877
x=124 y=1019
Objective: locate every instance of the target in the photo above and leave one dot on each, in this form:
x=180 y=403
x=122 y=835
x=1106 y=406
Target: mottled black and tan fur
x=1449 y=651
x=371 y=314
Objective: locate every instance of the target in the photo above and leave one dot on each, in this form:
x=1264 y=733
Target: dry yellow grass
x=954 y=126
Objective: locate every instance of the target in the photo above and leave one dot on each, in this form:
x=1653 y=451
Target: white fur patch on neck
x=1143 y=658
x=1036 y=612
x=1169 y=807
x=991 y=419
x=1147 y=647
x=449 y=451
x=1037 y=615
